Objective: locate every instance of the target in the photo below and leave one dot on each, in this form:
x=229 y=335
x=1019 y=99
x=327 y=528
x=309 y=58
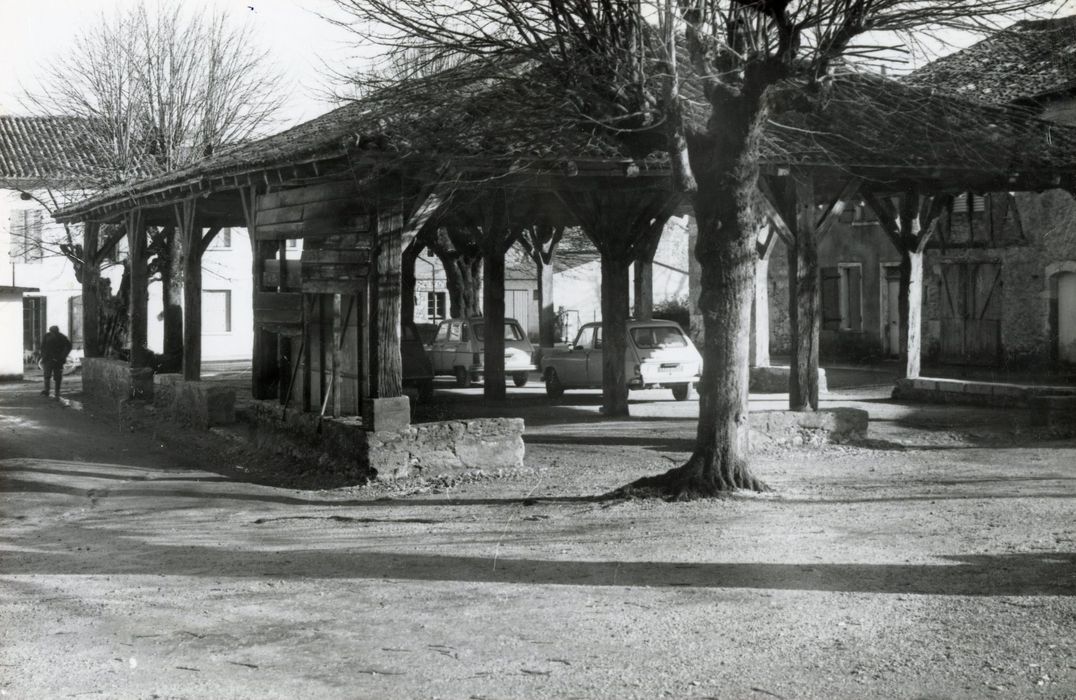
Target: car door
x=594 y=359
x=440 y=355
x=573 y=367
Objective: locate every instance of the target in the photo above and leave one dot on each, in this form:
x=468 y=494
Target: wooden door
x=891 y=312
x=1066 y=317
x=970 y=312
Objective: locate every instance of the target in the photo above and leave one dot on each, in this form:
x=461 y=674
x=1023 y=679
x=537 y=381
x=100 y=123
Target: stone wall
x=973 y=393
x=194 y=404
x=342 y=445
x=106 y=381
x=808 y=428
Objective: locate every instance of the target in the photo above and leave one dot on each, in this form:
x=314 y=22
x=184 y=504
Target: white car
x=659 y=354
x=457 y=349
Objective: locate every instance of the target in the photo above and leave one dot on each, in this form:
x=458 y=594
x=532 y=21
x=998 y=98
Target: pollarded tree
x=622 y=64
x=154 y=88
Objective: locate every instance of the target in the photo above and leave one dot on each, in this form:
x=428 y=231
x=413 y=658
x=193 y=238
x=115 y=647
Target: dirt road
x=937 y=560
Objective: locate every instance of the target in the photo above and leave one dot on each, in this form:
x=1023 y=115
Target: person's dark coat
x=55 y=347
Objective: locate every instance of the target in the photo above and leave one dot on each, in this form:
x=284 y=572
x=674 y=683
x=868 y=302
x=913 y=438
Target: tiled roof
x=33 y=148
x=1024 y=61
x=861 y=121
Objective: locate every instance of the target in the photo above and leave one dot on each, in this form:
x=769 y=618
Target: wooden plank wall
x=304 y=212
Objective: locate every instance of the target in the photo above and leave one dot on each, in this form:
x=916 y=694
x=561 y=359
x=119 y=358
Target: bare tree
x=154 y=88
x=623 y=64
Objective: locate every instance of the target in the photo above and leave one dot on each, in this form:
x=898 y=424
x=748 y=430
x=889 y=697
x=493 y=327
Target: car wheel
x=681 y=391
x=463 y=378
x=520 y=379
x=553 y=388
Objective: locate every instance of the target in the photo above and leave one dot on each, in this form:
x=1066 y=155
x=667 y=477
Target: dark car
x=417 y=369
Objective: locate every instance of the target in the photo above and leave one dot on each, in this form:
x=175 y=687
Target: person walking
x=55 y=347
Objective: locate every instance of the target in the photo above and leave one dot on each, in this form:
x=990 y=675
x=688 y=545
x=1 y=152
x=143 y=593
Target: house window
x=25 y=227
x=216 y=311
x=435 y=305
x=842 y=297
x=222 y=241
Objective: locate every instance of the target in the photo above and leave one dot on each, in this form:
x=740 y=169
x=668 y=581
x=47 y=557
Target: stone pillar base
x=386 y=414
x=774 y=380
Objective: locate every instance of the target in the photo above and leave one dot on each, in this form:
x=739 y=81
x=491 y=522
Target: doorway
x=890 y=307
x=1066 y=317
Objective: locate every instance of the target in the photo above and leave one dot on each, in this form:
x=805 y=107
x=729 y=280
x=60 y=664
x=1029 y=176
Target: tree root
x=700 y=477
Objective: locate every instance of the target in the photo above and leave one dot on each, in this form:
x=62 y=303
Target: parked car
x=457 y=350
x=659 y=354
x=417 y=368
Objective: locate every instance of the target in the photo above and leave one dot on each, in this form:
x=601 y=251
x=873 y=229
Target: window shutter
x=831 y=299
x=855 y=294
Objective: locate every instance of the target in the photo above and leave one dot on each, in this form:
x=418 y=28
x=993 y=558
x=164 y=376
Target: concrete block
x=922 y=384
x=774 y=380
x=1010 y=391
x=142 y=383
x=979 y=388
x=952 y=386
x=381 y=415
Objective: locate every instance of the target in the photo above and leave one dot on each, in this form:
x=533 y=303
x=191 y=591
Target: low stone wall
x=928 y=390
x=808 y=428
x=774 y=380
x=105 y=381
x=194 y=404
x=342 y=445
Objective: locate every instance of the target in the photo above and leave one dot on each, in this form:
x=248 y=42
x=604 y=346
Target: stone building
x=999 y=278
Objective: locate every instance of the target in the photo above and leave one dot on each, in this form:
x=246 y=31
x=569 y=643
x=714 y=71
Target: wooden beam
x=887 y=217
x=139 y=289
x=386 y=365
x=836 y=207
x=776 y=209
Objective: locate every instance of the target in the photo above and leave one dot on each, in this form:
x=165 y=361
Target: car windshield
x=511 y=331
x=651 y=337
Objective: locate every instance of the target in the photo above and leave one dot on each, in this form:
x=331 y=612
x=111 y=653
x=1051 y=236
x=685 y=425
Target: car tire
x=463 y=378
x=681 y=391
x=553 y=388
x=520 y=379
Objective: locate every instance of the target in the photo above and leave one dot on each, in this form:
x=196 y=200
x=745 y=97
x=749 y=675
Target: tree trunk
x=614 y=299
x=725 y=166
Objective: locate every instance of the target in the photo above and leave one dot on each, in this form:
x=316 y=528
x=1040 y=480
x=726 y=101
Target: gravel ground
x=935 y=560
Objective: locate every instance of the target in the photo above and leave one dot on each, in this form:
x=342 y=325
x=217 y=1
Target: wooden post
x=790 y=205
x=139 y=289
x=91 y=340
x=760 y=316
x=540 y=242
x=804 y=300
x=386 y=365
x=615 y=310
x=264 y=369
x=910 y=229
x=337 y=356
x=644 y=288
x=493 y=310
x=284 y=344
x=624 y=225
x=190 y=240
x=407 y=281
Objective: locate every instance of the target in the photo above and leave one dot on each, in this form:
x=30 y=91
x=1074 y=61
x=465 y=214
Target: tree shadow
x=1040 y=574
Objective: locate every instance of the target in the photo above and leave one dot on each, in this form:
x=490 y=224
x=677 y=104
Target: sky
x=299 y=42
